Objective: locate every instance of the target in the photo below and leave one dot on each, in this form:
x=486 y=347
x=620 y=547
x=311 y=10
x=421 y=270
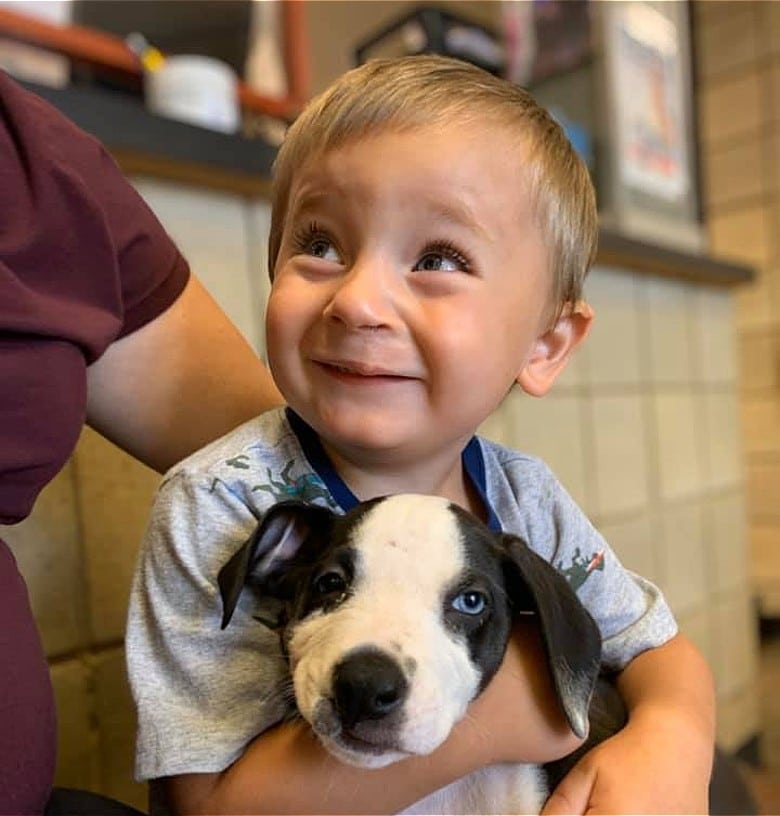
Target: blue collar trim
x=472 y=458
x=320 y=462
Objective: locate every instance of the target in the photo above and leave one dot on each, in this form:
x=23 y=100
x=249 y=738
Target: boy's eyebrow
x=454 y=211
x=307 y=198
x=458 y=213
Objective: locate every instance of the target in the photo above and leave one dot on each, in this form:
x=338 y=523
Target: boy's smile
x=410 y=292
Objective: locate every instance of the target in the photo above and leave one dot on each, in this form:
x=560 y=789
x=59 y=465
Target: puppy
x=395 y=616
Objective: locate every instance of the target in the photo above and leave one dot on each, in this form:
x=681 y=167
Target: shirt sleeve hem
x=154 y=304
x=621 y=650
x=158 y=765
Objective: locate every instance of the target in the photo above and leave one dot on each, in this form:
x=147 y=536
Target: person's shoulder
x=41 y=131
x=16 y=97
x=519 y=478
x=514 y=462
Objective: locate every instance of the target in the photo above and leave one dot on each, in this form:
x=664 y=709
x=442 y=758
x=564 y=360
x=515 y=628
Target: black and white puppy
x=395 y=616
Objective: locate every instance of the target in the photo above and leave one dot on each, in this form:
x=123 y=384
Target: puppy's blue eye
x=329 y=583
x=470 y=602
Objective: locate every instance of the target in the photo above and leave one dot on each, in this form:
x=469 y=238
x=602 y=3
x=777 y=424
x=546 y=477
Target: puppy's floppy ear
x=271 y=549
x=571 y=638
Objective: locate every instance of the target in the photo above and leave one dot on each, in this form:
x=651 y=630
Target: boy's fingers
x=572 y=795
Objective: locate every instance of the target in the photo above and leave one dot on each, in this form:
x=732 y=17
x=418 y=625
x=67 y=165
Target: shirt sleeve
x=631 y=612
x=202 y=693
x=82 y=257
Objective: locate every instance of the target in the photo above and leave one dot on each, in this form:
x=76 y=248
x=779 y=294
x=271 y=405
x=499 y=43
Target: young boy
x=431 y=231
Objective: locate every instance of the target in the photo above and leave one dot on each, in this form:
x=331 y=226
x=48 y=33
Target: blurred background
x=665 y=428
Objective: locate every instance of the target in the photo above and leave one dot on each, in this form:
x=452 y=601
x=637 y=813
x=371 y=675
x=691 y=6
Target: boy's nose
x=363 y=298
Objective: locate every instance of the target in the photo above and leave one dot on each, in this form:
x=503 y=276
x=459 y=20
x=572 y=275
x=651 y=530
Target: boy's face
x=411 y=289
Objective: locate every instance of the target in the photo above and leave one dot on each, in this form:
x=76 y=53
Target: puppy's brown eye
x=329 y=583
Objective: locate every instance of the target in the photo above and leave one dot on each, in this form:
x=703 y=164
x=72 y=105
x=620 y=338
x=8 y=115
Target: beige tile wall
x=738 y=44
x=645 y=435
x=642 y=429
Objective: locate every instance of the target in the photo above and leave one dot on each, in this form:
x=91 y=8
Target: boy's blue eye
x=436 y=262
x=312 y=241
x=322 y=248
x=442 y=257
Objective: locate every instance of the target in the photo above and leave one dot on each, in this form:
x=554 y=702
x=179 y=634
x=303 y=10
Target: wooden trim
x=88 y=45
x=155 y=145
x=72 y=41
x=638 y=255
x=296 y=51
x=191 y=174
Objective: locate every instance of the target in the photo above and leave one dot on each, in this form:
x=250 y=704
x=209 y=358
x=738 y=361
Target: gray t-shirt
x=203 y=693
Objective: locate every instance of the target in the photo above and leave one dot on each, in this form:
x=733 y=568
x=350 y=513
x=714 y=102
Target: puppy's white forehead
x=409 y=539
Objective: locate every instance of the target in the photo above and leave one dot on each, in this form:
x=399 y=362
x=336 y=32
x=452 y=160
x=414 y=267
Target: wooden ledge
x=146 y=144
x=82 y=45
x=641 y=256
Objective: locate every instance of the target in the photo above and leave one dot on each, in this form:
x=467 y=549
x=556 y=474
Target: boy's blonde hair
x=401 y=94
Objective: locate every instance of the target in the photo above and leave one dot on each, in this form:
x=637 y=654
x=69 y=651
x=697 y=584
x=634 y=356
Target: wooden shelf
x=146 y=144
x=88 y=46
x=652 y=259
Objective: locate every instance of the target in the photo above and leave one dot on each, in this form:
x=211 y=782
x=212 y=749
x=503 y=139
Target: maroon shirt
x=83 y=261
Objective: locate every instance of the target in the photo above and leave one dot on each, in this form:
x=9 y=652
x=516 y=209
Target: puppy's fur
x=395 y=616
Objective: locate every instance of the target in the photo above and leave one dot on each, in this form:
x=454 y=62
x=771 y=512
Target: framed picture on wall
x=648 y=155
x=649 y=97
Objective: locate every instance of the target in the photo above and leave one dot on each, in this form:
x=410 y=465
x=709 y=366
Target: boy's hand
x=661 y=761
x=633 y=772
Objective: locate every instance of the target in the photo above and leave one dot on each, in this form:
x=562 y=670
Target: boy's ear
x=551 y=350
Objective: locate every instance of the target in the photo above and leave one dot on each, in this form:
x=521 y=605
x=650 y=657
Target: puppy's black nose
x=367 y=685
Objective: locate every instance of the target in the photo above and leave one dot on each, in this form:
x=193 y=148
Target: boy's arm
x=662 y=760
x=286 y=770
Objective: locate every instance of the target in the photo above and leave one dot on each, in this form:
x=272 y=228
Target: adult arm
x=85 y=262
x=178 y=382
x=662 y=760
x=517 y=718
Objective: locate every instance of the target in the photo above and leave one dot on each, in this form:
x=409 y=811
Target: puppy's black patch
x=486 y=631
